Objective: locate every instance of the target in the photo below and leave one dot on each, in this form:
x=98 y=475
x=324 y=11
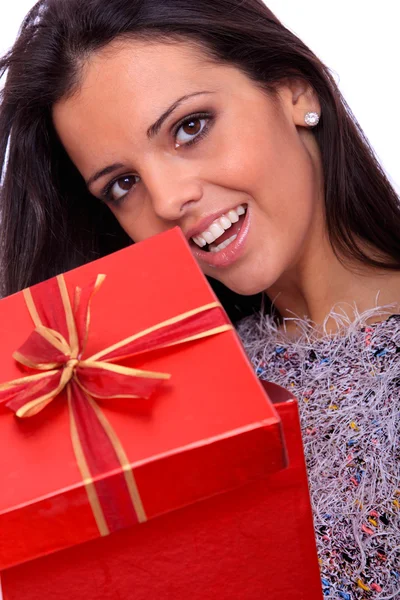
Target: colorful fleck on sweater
x=348 y=388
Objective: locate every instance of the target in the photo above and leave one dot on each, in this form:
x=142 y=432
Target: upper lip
x=206 y=222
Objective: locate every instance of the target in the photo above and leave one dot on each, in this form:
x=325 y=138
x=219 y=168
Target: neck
x=321 y=285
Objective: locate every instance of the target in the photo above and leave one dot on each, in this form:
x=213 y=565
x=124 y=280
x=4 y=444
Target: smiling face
x=168 y=138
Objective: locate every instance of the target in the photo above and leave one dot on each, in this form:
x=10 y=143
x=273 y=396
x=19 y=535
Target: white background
x=357 y=39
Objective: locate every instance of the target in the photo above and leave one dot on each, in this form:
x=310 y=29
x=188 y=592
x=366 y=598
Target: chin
x=251 y=279
x=245 y=288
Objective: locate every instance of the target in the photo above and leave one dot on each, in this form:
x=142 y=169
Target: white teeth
x=225 y=222
x=224 y=244
x=233 y=216
x=200 y=241
x=216 y=230
x=208 y=236
x=218 y=227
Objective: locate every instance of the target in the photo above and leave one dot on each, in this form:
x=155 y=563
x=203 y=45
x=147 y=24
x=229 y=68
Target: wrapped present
x=127 y=407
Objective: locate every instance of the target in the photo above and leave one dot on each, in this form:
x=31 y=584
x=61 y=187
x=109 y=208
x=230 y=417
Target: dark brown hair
x=49 y=220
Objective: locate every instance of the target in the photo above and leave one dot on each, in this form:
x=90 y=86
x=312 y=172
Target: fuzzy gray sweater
x=348 y=388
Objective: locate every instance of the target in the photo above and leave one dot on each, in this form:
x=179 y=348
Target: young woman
x=123 y=118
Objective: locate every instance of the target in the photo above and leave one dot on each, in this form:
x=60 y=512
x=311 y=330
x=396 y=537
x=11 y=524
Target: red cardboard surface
x=253 y=543
x=209 y=429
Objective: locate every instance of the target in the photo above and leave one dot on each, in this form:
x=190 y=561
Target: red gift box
x=205 y=438
x=253 y=543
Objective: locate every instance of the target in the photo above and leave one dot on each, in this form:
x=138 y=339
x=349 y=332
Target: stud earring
x=311 y=119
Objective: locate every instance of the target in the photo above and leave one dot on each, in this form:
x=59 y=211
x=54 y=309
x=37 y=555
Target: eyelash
x=105 y=193
x=209 y=117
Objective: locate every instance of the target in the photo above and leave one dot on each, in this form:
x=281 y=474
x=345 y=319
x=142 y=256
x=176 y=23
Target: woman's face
x=168 y=138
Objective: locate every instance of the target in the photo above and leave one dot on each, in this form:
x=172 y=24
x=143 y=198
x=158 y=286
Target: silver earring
x=312 y=119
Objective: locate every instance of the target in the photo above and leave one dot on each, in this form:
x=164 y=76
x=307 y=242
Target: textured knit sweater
x=348 y=389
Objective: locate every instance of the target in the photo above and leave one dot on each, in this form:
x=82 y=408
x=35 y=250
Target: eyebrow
x=151 y=132
x=155 y=128
x=103 y=173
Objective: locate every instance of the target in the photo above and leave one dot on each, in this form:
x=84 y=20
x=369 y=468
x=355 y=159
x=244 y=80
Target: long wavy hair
x=49 y=220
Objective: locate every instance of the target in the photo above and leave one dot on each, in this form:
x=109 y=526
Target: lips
x=204 y=224
x=220 y=228
x=230 y=253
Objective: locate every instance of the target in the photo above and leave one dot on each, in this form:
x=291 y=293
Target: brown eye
x=122 y=186
x=190 y=129
x=125 y=183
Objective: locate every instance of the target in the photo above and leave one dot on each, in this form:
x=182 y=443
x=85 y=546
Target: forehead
x=143 y=67
x=145 y=77
x=126 y=86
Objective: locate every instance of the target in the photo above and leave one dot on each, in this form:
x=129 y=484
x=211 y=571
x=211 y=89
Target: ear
x=298 y=98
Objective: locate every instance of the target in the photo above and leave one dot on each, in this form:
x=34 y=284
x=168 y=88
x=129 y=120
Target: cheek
x=137 y=219
x=251 y=158
x=283 y=178
x=235 y=165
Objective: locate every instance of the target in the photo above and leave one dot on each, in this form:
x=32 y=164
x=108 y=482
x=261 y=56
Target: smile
x=217 y=229
x=221 y=242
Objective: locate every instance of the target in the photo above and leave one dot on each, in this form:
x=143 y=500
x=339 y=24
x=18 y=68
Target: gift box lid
x=95 y=460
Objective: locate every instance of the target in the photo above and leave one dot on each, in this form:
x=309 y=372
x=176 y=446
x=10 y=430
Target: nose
x=173 y=190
